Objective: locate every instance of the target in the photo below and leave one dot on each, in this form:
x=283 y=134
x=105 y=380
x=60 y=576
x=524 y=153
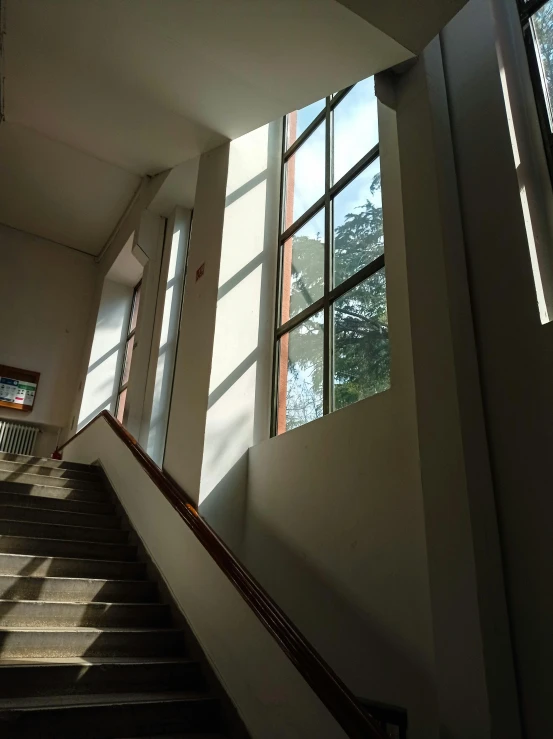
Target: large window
x=129 y=346
x=331 y=337
x=537 y=25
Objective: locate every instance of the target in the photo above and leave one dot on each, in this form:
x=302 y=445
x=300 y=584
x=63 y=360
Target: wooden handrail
x=333 y=693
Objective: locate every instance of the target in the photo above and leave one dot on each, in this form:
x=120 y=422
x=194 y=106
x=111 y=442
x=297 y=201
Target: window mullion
x=327 y=342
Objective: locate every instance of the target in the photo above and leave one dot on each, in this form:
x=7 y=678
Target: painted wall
x=515 y=349
x=107 y=353
x=334 y=525
x=238 y=414
x=271 y=696
x=46 y=297
x=185 y=433
x=165 y=333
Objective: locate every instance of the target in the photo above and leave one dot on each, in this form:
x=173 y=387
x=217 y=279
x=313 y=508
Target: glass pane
x=298 y=120
x=542 y=26
x=127 y=361
x=303 y=268
x=361 y=349
x=358 y=232
x=134 y=309
x=121 y=405
x=355 y=127
x=300 y=381
x=305 y=176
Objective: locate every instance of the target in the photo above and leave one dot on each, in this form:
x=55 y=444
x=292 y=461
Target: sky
x=355 y=133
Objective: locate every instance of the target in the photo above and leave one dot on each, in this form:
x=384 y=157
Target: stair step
x=122 y=715
x=73 y=567
x=66 y=518
x=11 y=544
x=22 y=643
x=78 y=677
x=38 y=614
x=96 y=483
x=73 y=590
x=52 y=491
x=91 y=473
x=55 y=503
x=44 y=462
x=35 y=529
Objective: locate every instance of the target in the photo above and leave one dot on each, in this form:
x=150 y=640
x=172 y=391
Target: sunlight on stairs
x=87 y=649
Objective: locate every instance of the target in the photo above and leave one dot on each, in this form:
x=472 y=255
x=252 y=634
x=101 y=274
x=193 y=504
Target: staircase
x=87 y=649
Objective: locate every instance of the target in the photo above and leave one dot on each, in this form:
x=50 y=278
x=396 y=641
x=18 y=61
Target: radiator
x=17 y=438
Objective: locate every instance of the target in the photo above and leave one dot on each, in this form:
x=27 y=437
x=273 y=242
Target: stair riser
x=44 y=680
x=69 y=533
x=89 y=475
x=57 y=644
x=58 y=482
x=65 y=548
x=49 y=491
x=38 y=614
x=55 y=504
x=103 y=722
x=74 y=590
x=43 y=462
x=39 y=515
x=60 y=567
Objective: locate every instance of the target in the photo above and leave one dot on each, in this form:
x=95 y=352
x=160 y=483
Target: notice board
x=18 y=388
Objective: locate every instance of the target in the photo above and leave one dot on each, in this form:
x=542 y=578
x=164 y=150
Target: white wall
x=185 y=433
x=267 y=690
x=107 y=353
x=165 y=334
x=46 y=297
x=239 y=404
x=515 y=349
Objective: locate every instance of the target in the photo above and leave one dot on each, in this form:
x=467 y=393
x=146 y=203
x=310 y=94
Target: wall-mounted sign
x=18 y=388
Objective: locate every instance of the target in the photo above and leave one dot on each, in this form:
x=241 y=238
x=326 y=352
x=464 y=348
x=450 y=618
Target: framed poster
x=18 y=388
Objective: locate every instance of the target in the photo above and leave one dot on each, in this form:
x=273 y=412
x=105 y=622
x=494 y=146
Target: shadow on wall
x=238 y=402
x=366 y=656
x=107 y=353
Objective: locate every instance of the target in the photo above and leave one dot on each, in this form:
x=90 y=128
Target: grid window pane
x=127 y=361
x=358 y=231
x=299 y=120
x=134 y=309
x=303 y=268
x=300 y=381
x=355 y=127
x=305 y=176
x=542 y=27
x=121 y=405
x=361 y=348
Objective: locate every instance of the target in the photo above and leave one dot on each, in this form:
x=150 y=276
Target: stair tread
x=92 y=603
x=65 y=526
x=91 y=470
x=111 y=580
x=50 y=510
x=89 y=629
x=100 y=699
x=45 y=461
x=43 y=481
x=65 y=541
x=55 y=558
x=92 y=661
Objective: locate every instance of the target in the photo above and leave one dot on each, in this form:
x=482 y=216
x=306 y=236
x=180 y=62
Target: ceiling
x=99 y=93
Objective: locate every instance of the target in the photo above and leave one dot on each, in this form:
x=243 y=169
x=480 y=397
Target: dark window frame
x=122 y=386
x=331 y=293
x=527 y=9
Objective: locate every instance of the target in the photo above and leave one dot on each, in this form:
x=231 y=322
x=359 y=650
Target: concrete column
x=474 y=669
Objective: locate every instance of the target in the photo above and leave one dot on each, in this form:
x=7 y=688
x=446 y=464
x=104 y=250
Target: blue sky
x=355 y=133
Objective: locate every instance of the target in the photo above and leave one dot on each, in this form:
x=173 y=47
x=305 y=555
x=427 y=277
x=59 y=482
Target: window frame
x=527 y=9
x=122 y=386
x=330 y=294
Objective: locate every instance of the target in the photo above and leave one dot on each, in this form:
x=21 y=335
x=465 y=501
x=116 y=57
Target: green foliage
x=361 y=349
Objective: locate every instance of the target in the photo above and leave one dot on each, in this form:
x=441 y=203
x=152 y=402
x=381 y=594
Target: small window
x=331 y=337
x=537 y=25
x=127 y=359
